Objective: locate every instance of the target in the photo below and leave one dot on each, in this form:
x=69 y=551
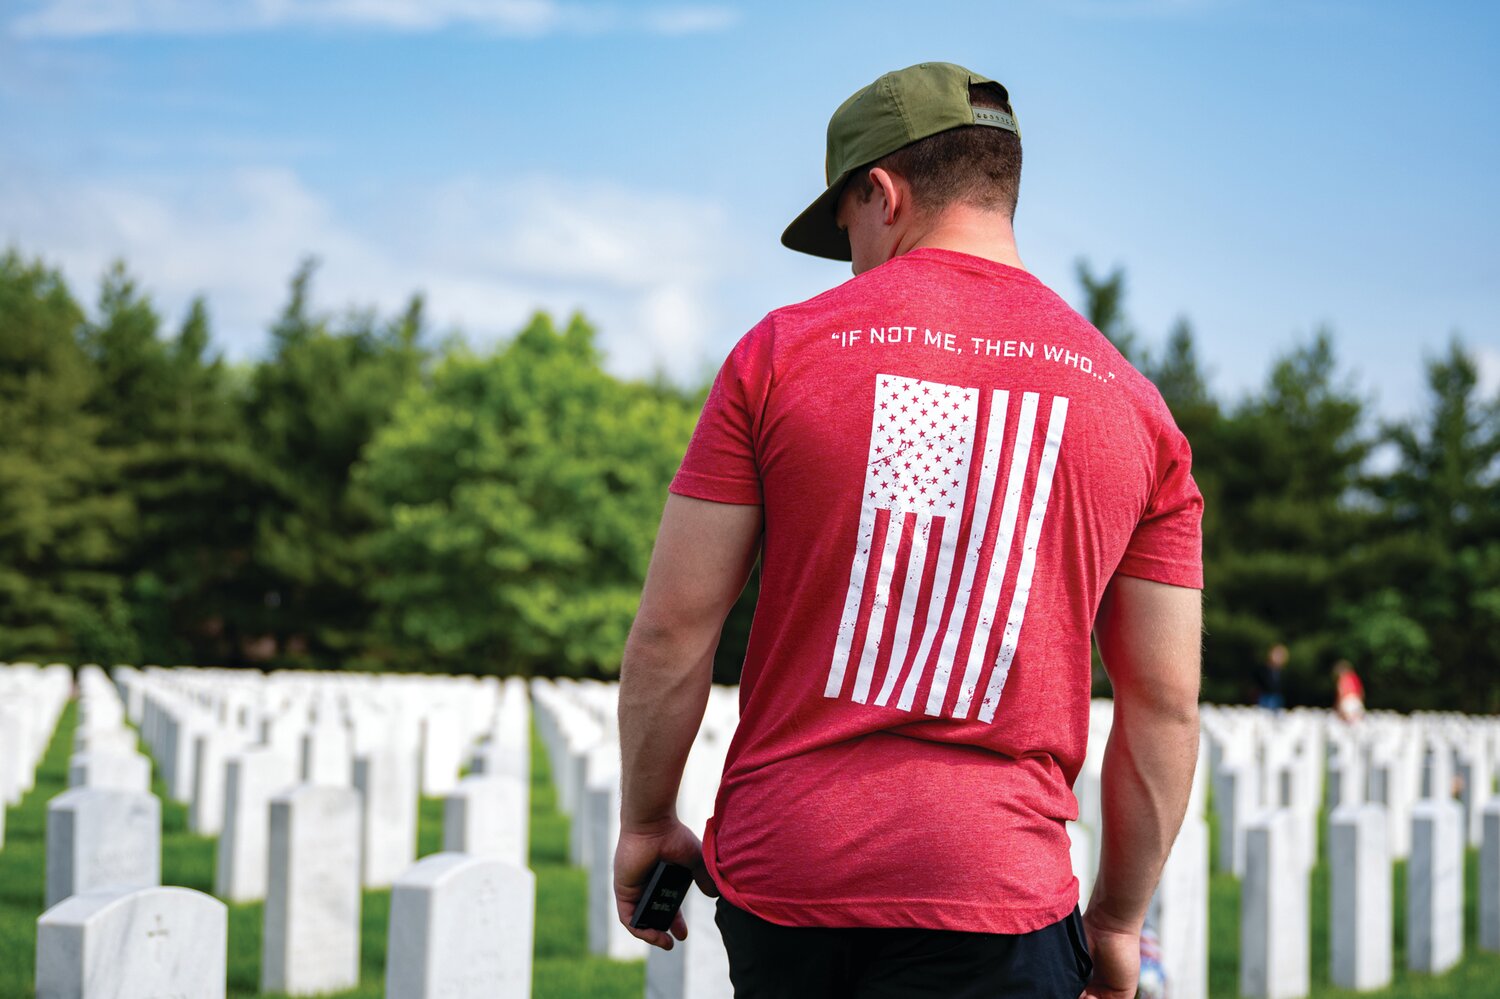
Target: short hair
x=975 y=164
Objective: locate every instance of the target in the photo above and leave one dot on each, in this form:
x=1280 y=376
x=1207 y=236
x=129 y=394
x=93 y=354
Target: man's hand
x=1116 y=952
x=635 y=857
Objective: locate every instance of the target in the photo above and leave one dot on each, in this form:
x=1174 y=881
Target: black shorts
x=770 y=961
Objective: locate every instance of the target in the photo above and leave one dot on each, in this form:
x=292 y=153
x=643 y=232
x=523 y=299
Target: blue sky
x=1260 y=168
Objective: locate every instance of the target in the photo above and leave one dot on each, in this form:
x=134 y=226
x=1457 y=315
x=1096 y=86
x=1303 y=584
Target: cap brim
x=816 y=230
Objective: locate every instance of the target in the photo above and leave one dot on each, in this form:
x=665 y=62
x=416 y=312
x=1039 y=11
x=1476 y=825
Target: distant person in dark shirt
x=1349 y=692
x=1271 y=694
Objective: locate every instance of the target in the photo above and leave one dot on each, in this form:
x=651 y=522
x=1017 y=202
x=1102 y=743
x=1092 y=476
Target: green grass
x=562 y=967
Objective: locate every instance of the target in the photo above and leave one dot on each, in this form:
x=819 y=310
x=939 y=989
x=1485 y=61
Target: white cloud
x=646 y=267
x=690 y=20
x=90 y=18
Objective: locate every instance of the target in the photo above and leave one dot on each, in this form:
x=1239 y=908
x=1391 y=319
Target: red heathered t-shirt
x=914 y=701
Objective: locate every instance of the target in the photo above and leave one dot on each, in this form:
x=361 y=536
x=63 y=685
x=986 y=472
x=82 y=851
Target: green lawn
x=563 y=969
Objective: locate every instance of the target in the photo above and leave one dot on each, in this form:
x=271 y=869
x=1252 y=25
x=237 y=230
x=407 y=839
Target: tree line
x=369 y=495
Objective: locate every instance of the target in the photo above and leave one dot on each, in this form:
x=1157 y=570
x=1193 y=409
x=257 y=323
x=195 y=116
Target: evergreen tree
x=1104 y=306
x=61 y=519
x=312 y=407
x=1434 y=560
x=1289 y=466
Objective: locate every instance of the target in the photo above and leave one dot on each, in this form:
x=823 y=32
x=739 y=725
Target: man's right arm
x=1150 y=638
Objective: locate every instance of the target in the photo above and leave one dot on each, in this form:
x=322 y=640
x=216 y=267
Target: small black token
x=664 y=894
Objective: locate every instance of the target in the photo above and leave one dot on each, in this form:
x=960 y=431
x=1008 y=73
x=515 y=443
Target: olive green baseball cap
x=894 y=111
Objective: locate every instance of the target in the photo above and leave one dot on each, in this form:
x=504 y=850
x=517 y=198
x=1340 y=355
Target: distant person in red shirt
x=951 y=480
x=1349 y=692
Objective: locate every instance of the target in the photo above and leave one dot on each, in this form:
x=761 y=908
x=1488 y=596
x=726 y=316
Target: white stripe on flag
x=921 y=537
x=940 y=578
x=1000 y=558
x=994 y=436
x=850 y=618
x=876 y=627
x=1039 y=500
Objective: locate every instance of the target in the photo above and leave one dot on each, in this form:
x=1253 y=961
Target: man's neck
x=964 y=229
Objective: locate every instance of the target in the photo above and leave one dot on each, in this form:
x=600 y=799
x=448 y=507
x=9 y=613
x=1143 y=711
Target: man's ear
x=891 y=191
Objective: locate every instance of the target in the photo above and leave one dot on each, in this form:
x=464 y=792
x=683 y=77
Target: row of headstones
x=32 y=698
x=577 y=721
x=104 y=845
x=454 y=933
x=1392 y=795
x=1262 y=760
x=1275 y=918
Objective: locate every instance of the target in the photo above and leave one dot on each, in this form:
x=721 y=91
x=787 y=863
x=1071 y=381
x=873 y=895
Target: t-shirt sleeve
x=721 y=463
x=1167 y=546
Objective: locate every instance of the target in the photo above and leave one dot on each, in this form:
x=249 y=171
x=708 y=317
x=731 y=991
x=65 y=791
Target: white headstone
x=252 y=777
x=1489 y=877
x=1234 y=800
x=178 y=762
x=327 y=753
x=1179 y=911
x=1083 y=853
x=1359 y=898
x=608 y=936
x=596 y=768
x=113 y=769
x=461 y=928
x=311 y=938
x=142 y=943
x=99 y=838
x=386 y=778
x=441 y=751
x=1435 y=886
x=14 y=754
x=486 y=816
x=206 y=812
x=1274 y=925
x=695 y=968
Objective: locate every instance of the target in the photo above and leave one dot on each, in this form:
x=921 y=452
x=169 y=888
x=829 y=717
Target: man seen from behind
x=952 y=480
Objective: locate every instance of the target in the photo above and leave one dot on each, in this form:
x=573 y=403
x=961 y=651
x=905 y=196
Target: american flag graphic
x=923 y=439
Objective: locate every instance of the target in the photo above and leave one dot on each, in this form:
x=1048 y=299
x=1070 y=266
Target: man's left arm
x=703 y=555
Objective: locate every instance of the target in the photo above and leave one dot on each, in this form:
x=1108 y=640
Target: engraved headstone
x=141 y=943
x=461 y=928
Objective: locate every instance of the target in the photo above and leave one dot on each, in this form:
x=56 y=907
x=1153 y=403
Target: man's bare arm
x=1150 y=638
x=703 y=555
